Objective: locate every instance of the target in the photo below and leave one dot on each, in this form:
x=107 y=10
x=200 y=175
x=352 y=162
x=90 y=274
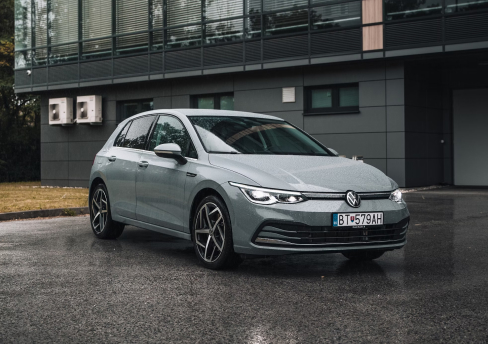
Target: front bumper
x=307 y=227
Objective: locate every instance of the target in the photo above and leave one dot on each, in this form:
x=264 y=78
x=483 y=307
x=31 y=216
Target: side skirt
x=153 y=228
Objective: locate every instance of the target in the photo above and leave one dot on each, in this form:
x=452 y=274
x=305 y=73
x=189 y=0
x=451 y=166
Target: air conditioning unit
x=61 y=111
x=89 y=110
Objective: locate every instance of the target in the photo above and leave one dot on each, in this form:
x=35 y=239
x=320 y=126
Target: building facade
x=402 y=83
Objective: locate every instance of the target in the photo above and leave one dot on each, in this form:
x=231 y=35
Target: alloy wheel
x=209 y=232
x=99 y=210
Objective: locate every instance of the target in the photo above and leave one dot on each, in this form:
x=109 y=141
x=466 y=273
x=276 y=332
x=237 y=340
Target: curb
x=42 y=213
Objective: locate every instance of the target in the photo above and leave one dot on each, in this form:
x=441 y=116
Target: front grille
x=339 y=196
x=296 y=234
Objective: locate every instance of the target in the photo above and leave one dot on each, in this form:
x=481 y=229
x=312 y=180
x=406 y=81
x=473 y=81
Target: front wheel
x=100 y=216
x=362 y=255
x=212 y=235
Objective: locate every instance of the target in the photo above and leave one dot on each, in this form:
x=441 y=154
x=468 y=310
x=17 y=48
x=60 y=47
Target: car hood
x=306 y=173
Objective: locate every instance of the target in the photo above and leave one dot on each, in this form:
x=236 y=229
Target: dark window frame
x=120 y=104
x=217 y=96
x=335 y=108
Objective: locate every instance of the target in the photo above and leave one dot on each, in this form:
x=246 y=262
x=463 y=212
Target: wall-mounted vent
x=61 y=111
x=89 y=110
x=288 y=94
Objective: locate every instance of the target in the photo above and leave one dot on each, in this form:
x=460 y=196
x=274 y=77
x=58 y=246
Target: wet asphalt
x=58 y=283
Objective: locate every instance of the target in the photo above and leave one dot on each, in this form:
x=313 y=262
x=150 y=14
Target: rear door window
x=137 y=133
x=119 y=141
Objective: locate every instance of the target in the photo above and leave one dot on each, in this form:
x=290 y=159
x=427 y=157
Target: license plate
x=357 y=219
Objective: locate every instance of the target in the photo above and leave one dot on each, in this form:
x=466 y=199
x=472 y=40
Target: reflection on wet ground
x=58 y=283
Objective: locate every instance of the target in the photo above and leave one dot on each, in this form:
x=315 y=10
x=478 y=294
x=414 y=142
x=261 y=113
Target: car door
x=122 y=166
x=161 y=181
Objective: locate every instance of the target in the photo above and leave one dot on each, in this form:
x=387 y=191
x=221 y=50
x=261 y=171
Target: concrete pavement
x=58 y=283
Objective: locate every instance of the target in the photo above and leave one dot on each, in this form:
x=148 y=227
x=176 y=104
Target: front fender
x=210 y=177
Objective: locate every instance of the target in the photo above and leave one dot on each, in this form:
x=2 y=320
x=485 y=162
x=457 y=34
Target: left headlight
x=269 y=196
x=396 y=196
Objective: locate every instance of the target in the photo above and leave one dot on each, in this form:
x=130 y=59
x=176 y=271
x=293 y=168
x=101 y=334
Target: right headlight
x=269 y=196
x=396 y=196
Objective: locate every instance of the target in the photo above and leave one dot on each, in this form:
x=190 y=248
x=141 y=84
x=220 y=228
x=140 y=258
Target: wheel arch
x=97 y=180
x=204 y=191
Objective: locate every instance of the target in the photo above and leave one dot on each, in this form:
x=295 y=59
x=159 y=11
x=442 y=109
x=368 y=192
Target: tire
x=362 y=256
x=213 y=243
x=101 y=217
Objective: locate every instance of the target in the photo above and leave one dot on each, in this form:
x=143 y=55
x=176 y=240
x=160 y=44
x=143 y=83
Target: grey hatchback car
x=239 y=183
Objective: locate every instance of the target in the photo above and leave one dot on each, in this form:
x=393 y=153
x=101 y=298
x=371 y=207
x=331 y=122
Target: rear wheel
x=362 y=255
x=100 y=216
x=212 y=235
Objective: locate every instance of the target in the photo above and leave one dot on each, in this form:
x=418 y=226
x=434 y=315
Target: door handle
x=112 y=158
x=143 y=163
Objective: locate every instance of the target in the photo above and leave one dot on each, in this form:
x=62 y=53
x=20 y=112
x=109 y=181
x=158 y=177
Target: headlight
x=396 y=196
x=269 y=196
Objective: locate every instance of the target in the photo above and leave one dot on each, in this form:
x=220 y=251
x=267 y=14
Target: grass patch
x=32 y=196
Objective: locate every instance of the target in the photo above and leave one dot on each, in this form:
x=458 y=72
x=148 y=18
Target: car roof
x=207 y=112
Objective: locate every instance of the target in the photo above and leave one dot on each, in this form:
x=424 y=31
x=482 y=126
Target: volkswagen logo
x=353 y=199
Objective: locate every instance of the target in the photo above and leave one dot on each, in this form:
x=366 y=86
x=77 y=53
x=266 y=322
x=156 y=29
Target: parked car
x=239 y=183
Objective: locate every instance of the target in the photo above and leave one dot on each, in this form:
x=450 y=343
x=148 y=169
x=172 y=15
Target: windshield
x=247 y=135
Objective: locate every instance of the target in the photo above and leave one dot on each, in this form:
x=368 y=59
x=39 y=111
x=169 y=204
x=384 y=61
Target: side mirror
x=170 y=151
x=333 y=151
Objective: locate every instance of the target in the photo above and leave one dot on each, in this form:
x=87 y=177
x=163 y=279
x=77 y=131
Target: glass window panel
x=253 y=6
x=138 y=131
x=349 y=96
x=225 y=31
x=170 y=130
x=23 y=59
x=97 y=49
x=132 y=44
x=321 y=98
x=64 y=21
x=64 y=53
x=465 y=5
x=40 y=23
x=119 y=141
x=39 y=57
x=253 y=27
x=277 y=5
x=157 y=40
x=395 y=9
x=147 y=106
x=221 y=9
x=23 y=26
x=131 y=108
x=338 y=15
x=96 y=21
x=286 y=22
x=157 y=23
x=227 y=102
x=205 y=103
x=183 y=12
x=131 y=16
x=183 y=37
